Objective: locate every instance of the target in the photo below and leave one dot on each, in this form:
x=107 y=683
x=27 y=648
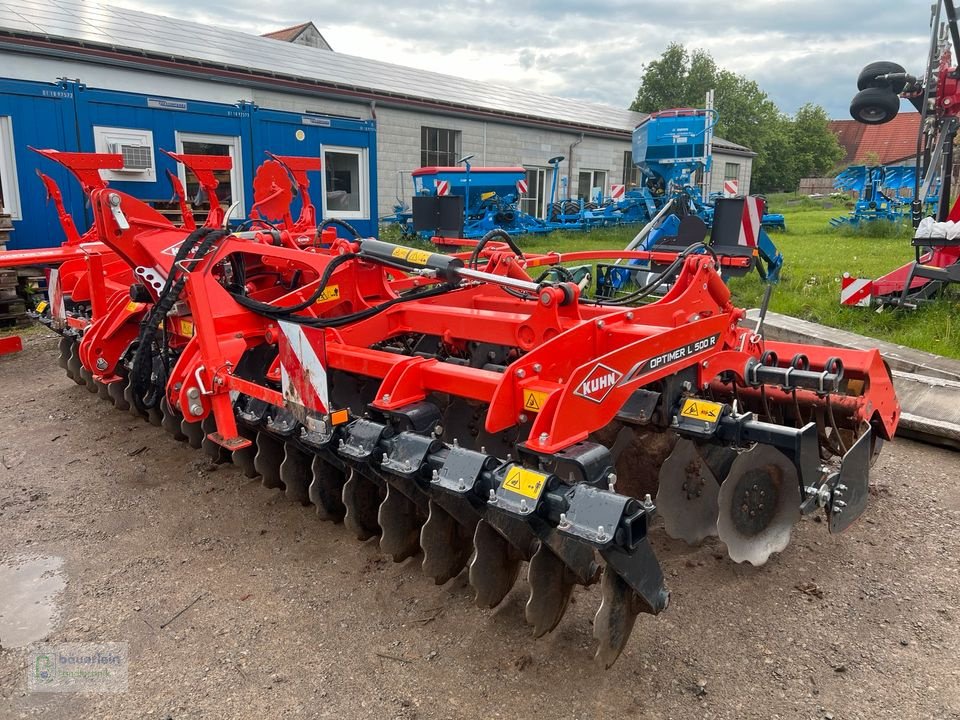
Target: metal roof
x=94 y=25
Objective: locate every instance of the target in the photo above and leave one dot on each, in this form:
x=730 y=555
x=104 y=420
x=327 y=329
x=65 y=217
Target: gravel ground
x=295 y=619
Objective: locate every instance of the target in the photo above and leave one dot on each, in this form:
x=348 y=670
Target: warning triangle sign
x=531 y=403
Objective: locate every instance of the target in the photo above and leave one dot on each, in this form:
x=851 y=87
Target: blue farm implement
x=878 y=189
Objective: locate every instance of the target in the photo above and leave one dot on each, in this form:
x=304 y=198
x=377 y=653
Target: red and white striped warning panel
x=522 y=187
x=750 y=222
x=443 y=187
x=730 y=188
x=58 y=310
x=302 y=375
x=617 y=191
x=855 y=291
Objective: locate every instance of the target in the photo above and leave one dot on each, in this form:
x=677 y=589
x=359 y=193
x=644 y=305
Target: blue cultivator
x=878 y=189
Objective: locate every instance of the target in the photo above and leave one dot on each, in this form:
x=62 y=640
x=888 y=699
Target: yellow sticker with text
x=186 y=327
x=42 y=305
x=400 y=252
x=418 y=257
x=330 y=292
x=133 y=307
x=533 y=400
x=528 y=483
x=697 y=409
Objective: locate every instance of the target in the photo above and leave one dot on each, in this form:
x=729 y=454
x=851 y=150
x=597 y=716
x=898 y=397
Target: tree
x=787 y=148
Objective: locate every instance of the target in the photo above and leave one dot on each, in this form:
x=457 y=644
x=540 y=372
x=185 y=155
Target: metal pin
x=493 y=496
x=462 y=485
x=435 y=476
x=563 y=521
x=523 y=506
x=601 y=534
x=611 y=482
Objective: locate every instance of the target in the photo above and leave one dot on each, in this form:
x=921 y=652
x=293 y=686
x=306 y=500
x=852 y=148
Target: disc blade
x=759 y=505
x=115 y=391
x=171 y=421
x=615 y=618
x=216 y=453
x=295 y=473
x=73 y=364
x=102 y=390
x=155 y=416
x=63 y=345
x=326 y=489
x=687 y=495
x=243 y=457
x=267 y=460
x=400 y=523
x=193 y=432
x=550 y=588
x=446 y=545
x=361 y=500
x=88 y=380
x=494 y=567
x=131 y=405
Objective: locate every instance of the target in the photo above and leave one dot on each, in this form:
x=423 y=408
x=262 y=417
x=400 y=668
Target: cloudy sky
x=797 y=50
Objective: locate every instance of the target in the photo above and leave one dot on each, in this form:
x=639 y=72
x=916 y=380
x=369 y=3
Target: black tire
x=868 y=76
x=875 y=106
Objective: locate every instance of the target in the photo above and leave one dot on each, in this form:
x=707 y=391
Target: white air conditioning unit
x=136 y=158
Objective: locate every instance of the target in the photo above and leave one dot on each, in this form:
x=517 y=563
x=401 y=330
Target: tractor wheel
x=875 y=106
x=868 y=76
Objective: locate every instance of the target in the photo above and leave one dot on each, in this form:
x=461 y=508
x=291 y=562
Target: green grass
x=815 y=258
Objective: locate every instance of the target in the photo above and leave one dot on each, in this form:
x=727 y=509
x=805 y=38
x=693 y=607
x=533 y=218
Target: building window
x=438 y=147
x=135 y=145
x=731 y=171
x=9 y=185
x=533 y=202
x=590 y=184
x=345 y=182
x=230 y=189
x=631 y=173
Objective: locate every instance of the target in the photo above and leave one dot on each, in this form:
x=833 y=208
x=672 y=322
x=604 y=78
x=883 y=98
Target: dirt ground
x=296 y=619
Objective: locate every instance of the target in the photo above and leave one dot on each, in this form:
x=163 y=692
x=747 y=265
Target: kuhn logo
x=598 y=383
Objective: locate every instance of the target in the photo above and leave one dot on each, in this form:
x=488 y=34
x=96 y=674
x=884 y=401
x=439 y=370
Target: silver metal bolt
x=493 y=496
x=193 y=393
x=384 y=458
x=601 y=534
x=563 y=521
x=537 y=367
x=601 y=324
x=629 y=315
x=101 y=364
x=841 y=488
x=435 y=476
x=483 y=449
x=114 y=199
x=196 y=410
x=839 y=504
x=341 y=443
x=521 y=373
x=522 y=418
x=386 y=397
x=611 y=482
x=456 y=443
x=438 y=430
x=523 y=506
x=461 y=485
x=544 y=438
x=647 y=502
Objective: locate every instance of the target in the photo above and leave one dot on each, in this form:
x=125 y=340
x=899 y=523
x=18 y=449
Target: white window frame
x=593 y=183
x=364 y=181
x=539 y=201
x=8 y=170
x=104 y=136
x=236 y=173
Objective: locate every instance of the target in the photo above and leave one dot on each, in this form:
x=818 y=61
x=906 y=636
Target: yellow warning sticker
x=697 y=409
x=133 y=307
x=533 y=400
x=330 y=292
x=418 y=257
x=528 y=483
x=186 y=327
x=400 y=252
x=42 y=305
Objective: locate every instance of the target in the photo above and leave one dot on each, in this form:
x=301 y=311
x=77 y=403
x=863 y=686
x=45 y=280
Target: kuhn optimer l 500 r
x=481 y=413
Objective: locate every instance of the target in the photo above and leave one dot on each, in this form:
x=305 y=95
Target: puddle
x=30 y=586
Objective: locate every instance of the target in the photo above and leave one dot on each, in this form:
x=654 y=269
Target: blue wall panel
x=62 y=116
